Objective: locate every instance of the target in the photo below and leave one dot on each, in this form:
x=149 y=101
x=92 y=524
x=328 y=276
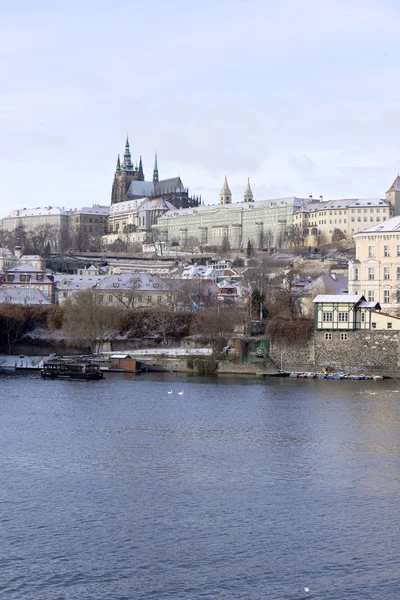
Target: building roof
x=167 y=186
x=236 y=206
x=128 y=206
x=26 y=257
x=93 y=210
x=35 y=212
x=24 y=268
x=395 y=187
x=141 y=188
x=341 y=298
x=156 y=204
x=77 y=282
x=342 y=203
x=392 y=224
x=132 y=281
x=23 y=295
x=366 y=304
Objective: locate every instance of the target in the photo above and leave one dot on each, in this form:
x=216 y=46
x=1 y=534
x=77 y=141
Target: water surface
x=238 y=489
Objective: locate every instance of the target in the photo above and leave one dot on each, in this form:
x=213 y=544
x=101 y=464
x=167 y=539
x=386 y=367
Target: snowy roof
x=127 y=206
x=365 y=304
x=238 y=206
x=26 y=257
x=346 y=298
x=92 y=268
x=93 y=210
x=395 y=187
x=25 y=268
x=343 y=203
x=132 y=281
x=34 y=212
x=392 y=224
x=77 y=282
x=156 y=204
x=23 y=295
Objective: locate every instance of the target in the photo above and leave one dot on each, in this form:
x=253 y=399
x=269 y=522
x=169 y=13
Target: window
x=10 y=277
x=397 y=272
x=389 y=325
x=363 y=317
x=110 y=298
x=140 y=299
x=398 y=296
x=386 y=250
x=343 y=317
x=386 y=296
x=398 y=250
x=356 y=274
x=386 y=273
x=101 y=298
x=371 y=296
x=25 y=278
x=373 y=325
x=39 y=277
x=371 y=273
x=327 y=317
x=343 y=336
x=149 y=299
x=158 y=299
x=328 y=335
x=371 y=251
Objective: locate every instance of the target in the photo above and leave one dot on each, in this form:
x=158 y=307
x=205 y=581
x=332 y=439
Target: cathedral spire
x=127 y=164
x=140 y=170
x=248 y=194
x=118 y=169
x=155 y=170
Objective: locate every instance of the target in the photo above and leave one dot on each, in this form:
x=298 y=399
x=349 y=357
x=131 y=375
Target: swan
x=180 y=393
x=170 y=392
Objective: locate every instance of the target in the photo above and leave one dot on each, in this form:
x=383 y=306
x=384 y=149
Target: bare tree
x=12 y=325
x=88 y=320
x=127 y=295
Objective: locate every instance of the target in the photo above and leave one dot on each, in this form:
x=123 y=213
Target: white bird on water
x=180 y=393
x=306 y=589
x=170 y=392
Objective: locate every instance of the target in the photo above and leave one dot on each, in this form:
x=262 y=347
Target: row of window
x=343 y=335
x=111 y=298
x=25 y=277
x=386 y=251
x=372 y=270
x=327 y=317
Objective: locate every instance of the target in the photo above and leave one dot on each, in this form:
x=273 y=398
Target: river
x=237 y=489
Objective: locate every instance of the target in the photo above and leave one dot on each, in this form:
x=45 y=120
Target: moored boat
x=70 y=369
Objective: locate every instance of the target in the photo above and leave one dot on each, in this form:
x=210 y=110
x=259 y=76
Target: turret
x=248 y=194
x=118 y=169
x=140 y=170
x=225 y=196
x=393 y=195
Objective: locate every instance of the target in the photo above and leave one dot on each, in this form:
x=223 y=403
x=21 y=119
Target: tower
x=225 y=196
x=248 y=194
x=393 y=195
x=125 y=173
x=155 y=170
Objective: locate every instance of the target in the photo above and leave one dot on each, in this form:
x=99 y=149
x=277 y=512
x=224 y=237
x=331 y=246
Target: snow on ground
x=26 y=362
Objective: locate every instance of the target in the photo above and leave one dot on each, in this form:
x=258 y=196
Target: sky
x=302 y=97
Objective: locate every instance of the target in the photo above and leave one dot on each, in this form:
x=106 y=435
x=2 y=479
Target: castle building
x=130 y=184
x=264 y=222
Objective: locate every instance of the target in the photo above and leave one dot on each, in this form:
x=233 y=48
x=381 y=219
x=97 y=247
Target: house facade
x=375 y=272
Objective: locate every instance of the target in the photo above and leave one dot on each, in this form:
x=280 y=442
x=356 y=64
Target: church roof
x=141 y=188
x=165 y=186
x=156 y=204
x=395 y=187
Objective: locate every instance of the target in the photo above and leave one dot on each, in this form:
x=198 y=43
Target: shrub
x=294 y=331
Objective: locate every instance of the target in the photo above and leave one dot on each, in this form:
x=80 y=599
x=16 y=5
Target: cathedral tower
x=248 y=194
x=225 y=196
x=125 y=173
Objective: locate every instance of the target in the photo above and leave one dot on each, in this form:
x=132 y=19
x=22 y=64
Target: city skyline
x=301 y=100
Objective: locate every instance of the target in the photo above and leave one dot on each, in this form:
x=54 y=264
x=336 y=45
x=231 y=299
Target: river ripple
x=239 y=489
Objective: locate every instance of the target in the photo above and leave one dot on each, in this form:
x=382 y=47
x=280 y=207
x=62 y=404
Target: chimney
x=321 y=198
x=310 y=198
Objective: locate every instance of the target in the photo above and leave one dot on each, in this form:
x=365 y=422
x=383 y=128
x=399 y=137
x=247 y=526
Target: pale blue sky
x=303 y=96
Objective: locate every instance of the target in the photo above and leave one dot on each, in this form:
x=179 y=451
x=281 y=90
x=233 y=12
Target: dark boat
x=70 y=369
